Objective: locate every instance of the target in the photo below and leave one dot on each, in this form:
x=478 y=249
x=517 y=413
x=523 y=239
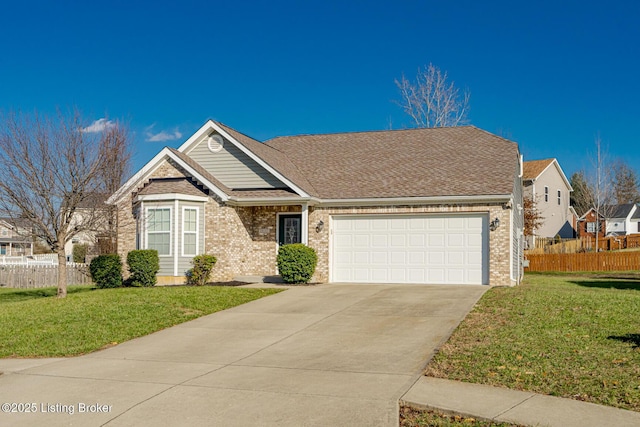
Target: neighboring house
x=440 y=205
x=623 y=219
x=90 y=210
x=15 y=239
x=615 y=220
x=590 y=222
x=549 y=188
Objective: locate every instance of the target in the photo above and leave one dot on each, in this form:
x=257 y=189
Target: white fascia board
x=152 y=165
x=268 y=201
x=146 y=169
x=211 y=125
x=171 y=196
x=564 y=177
x=204 y=129
x=560 y=172
x=438 y=200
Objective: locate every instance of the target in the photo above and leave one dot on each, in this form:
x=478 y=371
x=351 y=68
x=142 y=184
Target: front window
x=546 y=194
x=159 y=230
x=3 y=249
x=190 y=231
x=559 y=197
x=591 y=227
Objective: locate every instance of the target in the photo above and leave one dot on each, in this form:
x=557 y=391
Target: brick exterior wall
x=245 y=243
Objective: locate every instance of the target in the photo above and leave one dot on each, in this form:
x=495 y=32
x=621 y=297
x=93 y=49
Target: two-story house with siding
x=14 y=238
x=545 y=182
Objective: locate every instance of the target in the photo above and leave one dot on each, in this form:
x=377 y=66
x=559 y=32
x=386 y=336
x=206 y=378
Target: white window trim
x=146 y=228
x=197 y=232
x=559 y=198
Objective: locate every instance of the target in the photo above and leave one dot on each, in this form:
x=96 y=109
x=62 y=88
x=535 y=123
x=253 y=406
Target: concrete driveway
x=338 y=355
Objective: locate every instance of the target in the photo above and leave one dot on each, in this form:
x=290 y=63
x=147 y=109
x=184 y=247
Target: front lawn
x=416 y=418
x=36 y=324
x=562 y=335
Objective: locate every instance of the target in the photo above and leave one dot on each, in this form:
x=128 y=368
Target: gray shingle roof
x=457 y=161
x=620 y=211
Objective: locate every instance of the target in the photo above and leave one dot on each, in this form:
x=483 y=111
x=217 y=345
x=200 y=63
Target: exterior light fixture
x=493 y=225
x=320 y=226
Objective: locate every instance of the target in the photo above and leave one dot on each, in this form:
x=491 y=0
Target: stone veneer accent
x=244 y=238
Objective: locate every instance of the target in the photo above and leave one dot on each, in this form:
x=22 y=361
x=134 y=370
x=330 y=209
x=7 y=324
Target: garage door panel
x=456 y=240
x=379 y=241
x=362 y=240
x=410 y=248
x=436 y=240
x=417 y=240
x=379 y=258
x=417 y=258
x=399 y=240
x=398 y=258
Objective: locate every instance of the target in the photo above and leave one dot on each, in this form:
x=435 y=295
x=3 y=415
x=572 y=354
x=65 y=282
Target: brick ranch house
x=440 y=205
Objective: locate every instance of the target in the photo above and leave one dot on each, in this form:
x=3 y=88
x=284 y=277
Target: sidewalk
x=519 y=407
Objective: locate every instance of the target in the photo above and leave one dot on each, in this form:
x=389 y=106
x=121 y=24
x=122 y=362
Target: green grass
x=423 y=418
x=36 y=324
x=562 y=335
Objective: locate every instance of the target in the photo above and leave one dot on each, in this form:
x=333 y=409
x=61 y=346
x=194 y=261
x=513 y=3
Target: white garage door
x=437 y=249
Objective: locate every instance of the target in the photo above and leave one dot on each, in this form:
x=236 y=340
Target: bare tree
x=432 y=100
x=52 y=172
x=602 y=185
x=117 y=157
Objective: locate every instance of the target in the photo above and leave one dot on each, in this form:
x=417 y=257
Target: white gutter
x=433 y=200
x=171 y=196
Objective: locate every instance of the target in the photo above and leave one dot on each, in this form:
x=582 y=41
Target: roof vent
x=215 y=143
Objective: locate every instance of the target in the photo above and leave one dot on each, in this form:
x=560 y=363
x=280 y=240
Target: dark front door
x=289 y=229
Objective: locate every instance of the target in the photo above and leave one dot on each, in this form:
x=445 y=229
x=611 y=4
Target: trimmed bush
x=80 y=252
x=296 y=263
x=144 y=264
x=106 y=271
x=202 y=266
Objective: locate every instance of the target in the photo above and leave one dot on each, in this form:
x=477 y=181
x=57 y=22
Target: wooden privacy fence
x=588 y=261
x=41 y=276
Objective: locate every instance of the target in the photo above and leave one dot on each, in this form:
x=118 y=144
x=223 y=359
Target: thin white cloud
x=162 y=135
x=99 y=125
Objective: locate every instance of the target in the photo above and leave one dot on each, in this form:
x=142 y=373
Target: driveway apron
x=328 y=355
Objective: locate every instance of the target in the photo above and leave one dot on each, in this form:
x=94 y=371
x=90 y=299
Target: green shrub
x=80 y=252
x=106 y=271
x=202 y=266
x=143 y=266
x=296 y=263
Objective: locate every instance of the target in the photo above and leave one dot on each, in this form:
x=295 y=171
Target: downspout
x=176 y=244
x=305 y=224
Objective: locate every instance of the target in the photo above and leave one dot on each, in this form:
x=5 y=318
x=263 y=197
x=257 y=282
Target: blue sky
x=550 y=75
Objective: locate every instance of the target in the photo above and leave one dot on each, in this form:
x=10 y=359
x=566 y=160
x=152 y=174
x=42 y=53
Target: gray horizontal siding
x=166 y=266
x=233 y=167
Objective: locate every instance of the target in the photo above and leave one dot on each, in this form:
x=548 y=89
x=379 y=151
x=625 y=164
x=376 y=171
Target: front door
x=289 y=229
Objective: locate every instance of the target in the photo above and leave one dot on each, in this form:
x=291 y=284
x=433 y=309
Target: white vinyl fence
x=41 y=276
x=40 y=259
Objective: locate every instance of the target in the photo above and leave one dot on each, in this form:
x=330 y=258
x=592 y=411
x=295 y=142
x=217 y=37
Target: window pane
x=189 y=243
x=160 y=242
x=190 y=220
x=159 y=219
